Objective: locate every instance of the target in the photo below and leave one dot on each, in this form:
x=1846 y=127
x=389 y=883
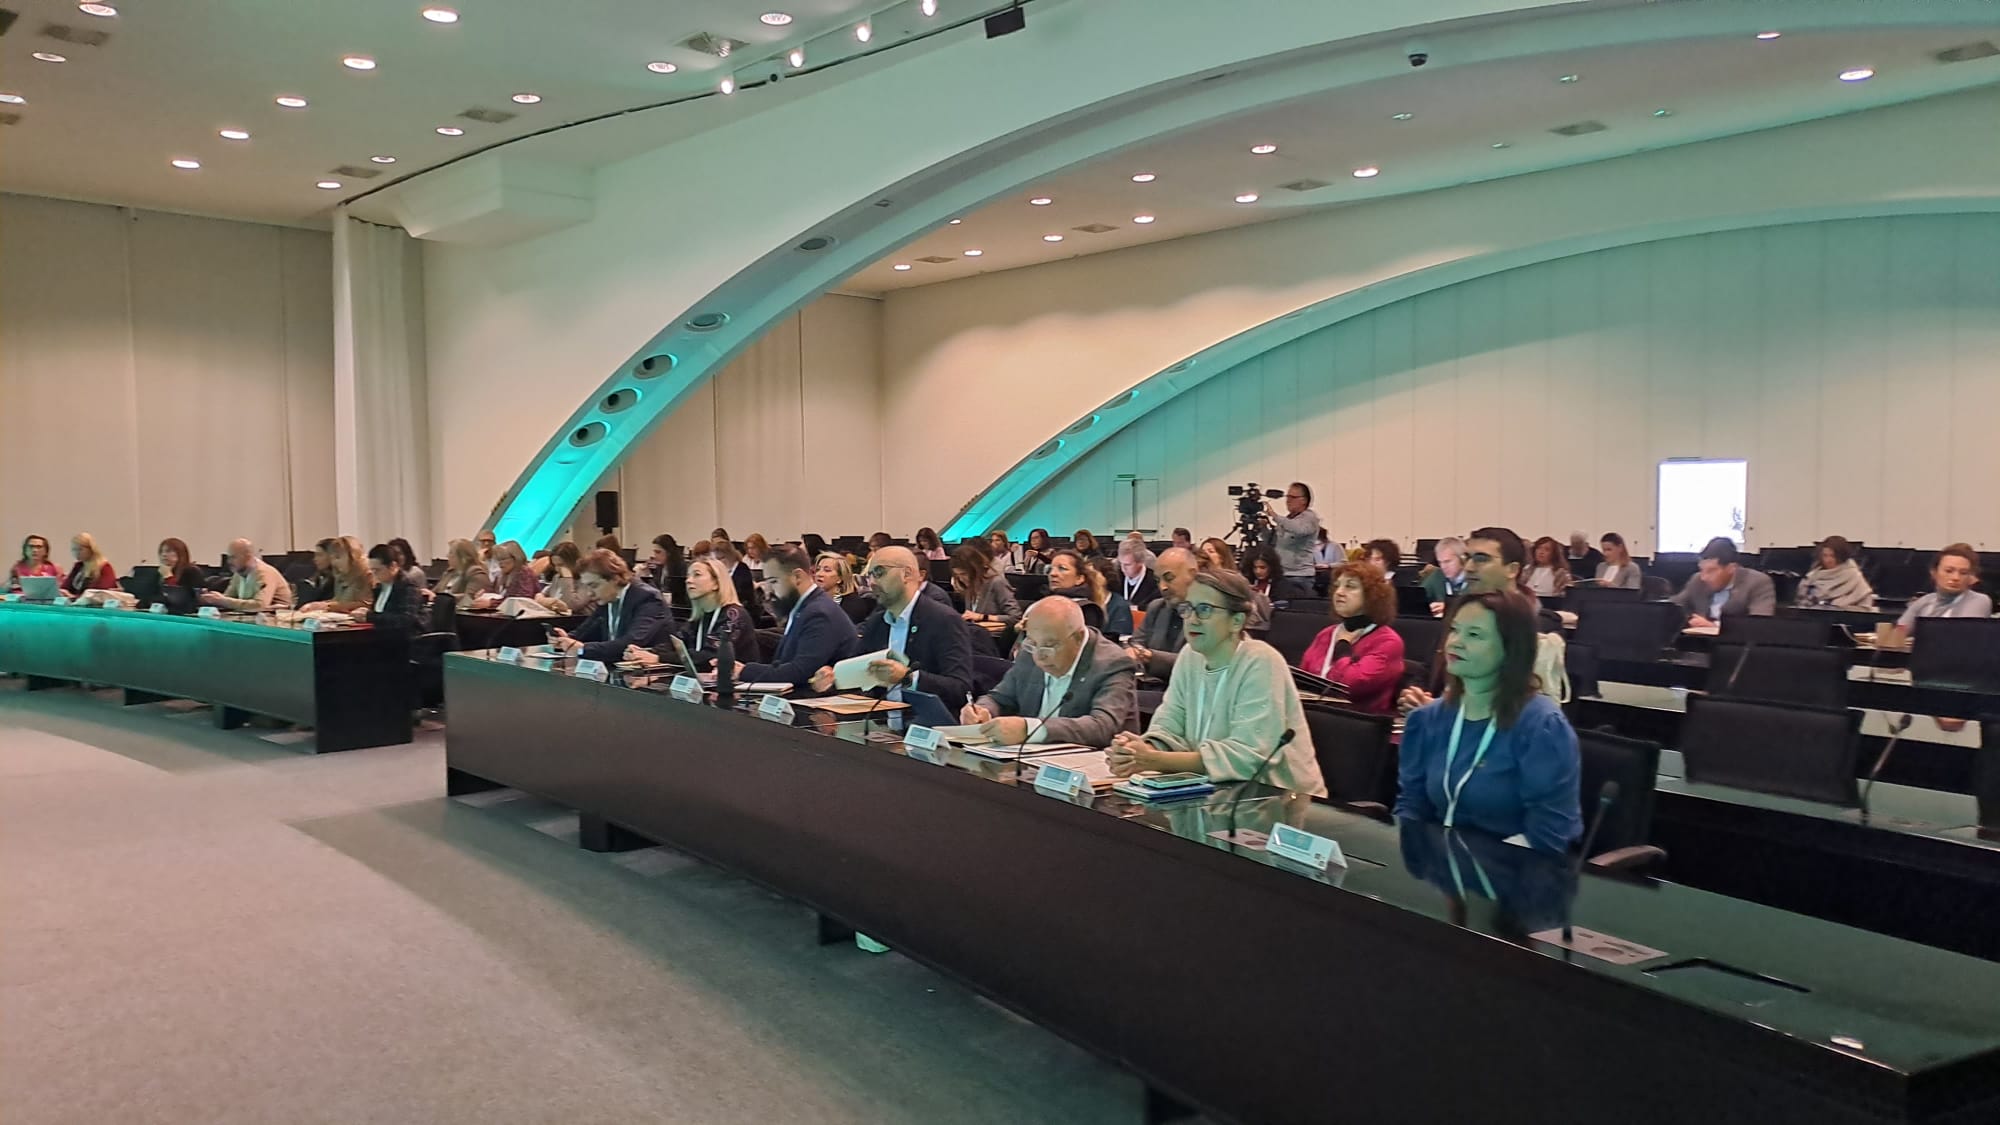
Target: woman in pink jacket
x=1359 y=651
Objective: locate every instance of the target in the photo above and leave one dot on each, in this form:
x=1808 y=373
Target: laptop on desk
x=45 y=588
x=143 y=584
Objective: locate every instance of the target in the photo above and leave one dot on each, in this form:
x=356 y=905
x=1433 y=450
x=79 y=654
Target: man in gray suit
x=1069 y=684
x=1725 y=588
x=1158 y=641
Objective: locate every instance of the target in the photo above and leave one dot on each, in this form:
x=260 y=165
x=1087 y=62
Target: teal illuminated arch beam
x=698 y=341
x=1001 y=502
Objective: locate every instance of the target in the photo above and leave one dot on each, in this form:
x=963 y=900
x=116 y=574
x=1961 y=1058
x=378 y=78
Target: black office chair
x=1581 y=596
x=1028 y=587
x=1093 y=615
x=1291 y=633
x=1653 y=588
x=1986 y=778
x=1785 y=749
x=815 y=545
x=987 y=672
x=1355 y=756
x=1787 y=631
x=1956 y=652
x=1621 y=843
x=1422 y=637
x=858 y=607
x=1628 y=630
x=427 y=651
x=1816 y=677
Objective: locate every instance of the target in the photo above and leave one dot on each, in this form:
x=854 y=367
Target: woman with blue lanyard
x=1493 y=754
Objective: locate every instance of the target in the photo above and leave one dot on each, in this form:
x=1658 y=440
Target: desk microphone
x=1742 y=658
x=911 y=667
x=1607 y=795
x=725 y=670
x=1284 y=740
x=1896 y=730
x=1035 y=724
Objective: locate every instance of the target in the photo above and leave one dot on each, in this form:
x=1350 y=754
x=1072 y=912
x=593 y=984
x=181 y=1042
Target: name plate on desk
x=1301 y=846
x=158 y=607
x=593 y=670
x=312 y=624
x=509 y=656
x=923 y=743
x=1060 y=781
x=208 y=611
x=685 y=688
x=776 y=708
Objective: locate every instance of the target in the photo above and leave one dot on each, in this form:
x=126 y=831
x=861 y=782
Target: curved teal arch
x=999 y=503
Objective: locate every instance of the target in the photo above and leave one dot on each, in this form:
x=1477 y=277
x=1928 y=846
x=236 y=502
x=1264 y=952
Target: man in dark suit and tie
x=1069 y=684
x=817 y=630
x=926 y=641
x=629 y=612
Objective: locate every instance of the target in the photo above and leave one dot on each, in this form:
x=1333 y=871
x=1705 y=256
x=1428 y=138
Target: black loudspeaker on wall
x=607 y=511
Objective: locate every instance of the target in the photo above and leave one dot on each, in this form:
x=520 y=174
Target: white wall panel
x=1852 y=363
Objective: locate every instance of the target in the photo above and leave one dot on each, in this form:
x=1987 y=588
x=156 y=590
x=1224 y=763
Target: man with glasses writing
x=1068 y=684
x=927 y=646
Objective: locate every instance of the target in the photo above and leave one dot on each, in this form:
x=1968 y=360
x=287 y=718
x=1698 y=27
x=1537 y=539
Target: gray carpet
x=201 y=926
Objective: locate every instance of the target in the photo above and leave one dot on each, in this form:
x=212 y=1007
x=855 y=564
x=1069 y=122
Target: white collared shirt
x=382 y=596
x=1055 y=688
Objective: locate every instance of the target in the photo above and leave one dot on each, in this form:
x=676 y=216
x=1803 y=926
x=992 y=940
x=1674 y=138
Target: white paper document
x=1010 y=751
x=852 y=672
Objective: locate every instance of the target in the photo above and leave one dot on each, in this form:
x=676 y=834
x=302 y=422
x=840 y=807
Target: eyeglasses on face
x=1029 y=646
x=875 y=573
x=1199 y=610
x=1479 y=558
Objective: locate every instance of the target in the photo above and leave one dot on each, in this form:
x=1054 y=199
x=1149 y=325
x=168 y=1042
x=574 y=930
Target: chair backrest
x=1354 y=753
x=813 y=544
x=1093 y=615
x=939 y=571
x=1634 y=764
x=987 y=672
x=1421 y=638
x=444 y=614
x=1986 y=775
x=1628 y=630
x=1581 y=596
x=1816 y=677
x=1789 y=632
x=1413 y=601
x=1956 y=652
x=1028 y=587
x=1654 y=588
x=1291 y=633
x=1789 y=750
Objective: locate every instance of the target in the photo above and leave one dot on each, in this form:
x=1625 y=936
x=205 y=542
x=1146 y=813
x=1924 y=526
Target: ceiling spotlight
x=1142 y=220
x=661 y=66
x=1663 y=112
x=233 y=134
x=105 y=10
x=864 y=31
x=1247 y=197
x=1858 y=74
x=1264 y=149
x=186 y=165
x=974 y=253
x=1500 y=144
x=955 y=222
x=13 y=99
x=527 y=99
x=1040 y=201
x=450 y=131
x=727 y=85
x=1144 y=178
x=290 y=102
x=328 y=185
x=796 y=56
x=927 y=7
x=1052 y=238
x=50 y=56
x=1769 y=35
x=1401 y=116
x=1570 y=79
x=776 y=19
x=357 y=62
x=1368 y=173
x=440 y=15
x=902 y=265
x=383 y=159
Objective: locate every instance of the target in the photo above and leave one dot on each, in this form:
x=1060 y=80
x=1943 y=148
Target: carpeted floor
x=204 y=926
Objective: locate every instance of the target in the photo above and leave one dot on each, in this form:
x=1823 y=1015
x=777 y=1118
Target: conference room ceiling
x=1439 y=127
x=106 y=123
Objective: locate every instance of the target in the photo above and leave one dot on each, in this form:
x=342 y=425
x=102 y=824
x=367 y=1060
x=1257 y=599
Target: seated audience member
x=756 y=549
x=176 y=569
x=1835 y=579
x=1068 y=684
x=1494 y=754
x=1583 y=559
x=1326 y=553
x=929 y=547
x=412 y=573
x=255 y=586
x=395 y=604
x=1261 y=567
x=1229 y=704
x=880 y=540
x=1159 y=639
x=564 y=592
x=486 y=542
x=1183 y=538
x=350 y=586
x=609 y=543
x=720 y=535
x=516 y=580
x=664 y=561
x=465 y=575
x=1036 y=551
x=713 y=613
x=1548 y=572
x=1492 y=564
x=1955 y=574
x=34 y=562
x=1072 y=576
x=833 y=575
x=1723 y=587
x=1135 y=581
x=817 y=632
x=1448 y=579
x=1292 y=535
x=318 y=586
x=1618 y=570
x=701 y=549
x=1117 y=611
x=628 y=612
x=1011 y=556
x=1085 y=544
x=927 y=646
x=987 y=598
x=741 y=576
x=1218 y=555
x=1386 y=555
x=92 y=570
x=1360 y=652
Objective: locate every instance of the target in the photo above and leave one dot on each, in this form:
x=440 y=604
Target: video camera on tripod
x=1251 y=522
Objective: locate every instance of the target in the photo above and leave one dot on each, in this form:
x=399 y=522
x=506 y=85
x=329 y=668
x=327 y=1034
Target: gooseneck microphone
x=1896 y=730
x=725 y=670
x=1236 y=801
x=1028 y=732
x=1607 y=795
x=1742 y=658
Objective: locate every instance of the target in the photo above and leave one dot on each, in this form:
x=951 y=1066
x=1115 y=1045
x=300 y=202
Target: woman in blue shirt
x=1493 y=753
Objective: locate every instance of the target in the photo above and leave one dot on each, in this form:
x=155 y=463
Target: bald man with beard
x=1158 y=641
x=926 y=641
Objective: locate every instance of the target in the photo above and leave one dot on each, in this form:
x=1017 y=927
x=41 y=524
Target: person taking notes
x=1069 y=684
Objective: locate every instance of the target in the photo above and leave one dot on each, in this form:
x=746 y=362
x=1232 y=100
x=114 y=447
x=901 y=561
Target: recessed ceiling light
x=1142 y=220
x=1370 y=172
x=974 y=253
x=1264 y=149
x=776 y=19
x=437 y=14
x=383 y=159
x=1767 y=35
x=796 y=56
x=1663 y=112
x=105 y=10
x=661 y=66
x=727 y=85
x=1247 y=197
x=1570 y=79
x=232 y=134
x=184 y=164
x=1145 y=178
x=290 y=101
x=1040 y=201
x=864 y=31
x=50 y=56
x=1052 y=238
x=328 y=185
x=927 y=7
x=13 y=99
x=527 y=99
x=357 y=62
x=902 y=265
x=1500 y=144
x=955 y=222
x=1401 y=116
x=450 y=131
x=1858 y=74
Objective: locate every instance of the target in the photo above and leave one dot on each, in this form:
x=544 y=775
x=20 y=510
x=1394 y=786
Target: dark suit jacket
x=1102 y=698
x=404 y=609
x=1149 y=588
x=940 y=595
x=820 y=634
x=937 y=647
x=702 y=644
x=1162 y=634
x=641 y=615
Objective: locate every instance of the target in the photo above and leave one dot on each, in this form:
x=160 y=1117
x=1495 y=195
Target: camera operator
x=1294 y=534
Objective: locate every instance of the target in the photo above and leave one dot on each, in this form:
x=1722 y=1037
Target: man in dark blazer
x=817 y=631
x=629 y=612
x=395 y=603
x=1069 y=684
x=928 y=648
x=1158 y=642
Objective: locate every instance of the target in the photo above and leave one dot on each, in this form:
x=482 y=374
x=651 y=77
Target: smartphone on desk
x=1173 y=780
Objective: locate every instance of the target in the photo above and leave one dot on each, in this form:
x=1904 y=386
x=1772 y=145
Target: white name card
x=923 y=744
x=157 y=608
x=685 y=688
x=509 y=655
x=776 y=708
x=1301 y=846
x=206 y=611
x=593 y=670
x=1060 y=781
x=313 y=625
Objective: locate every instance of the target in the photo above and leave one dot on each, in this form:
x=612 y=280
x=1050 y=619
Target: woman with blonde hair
x=834 y=575
x=92 y=570
x=352 y=586
x=465 y=576
x=714 y=612
x=516 y=580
